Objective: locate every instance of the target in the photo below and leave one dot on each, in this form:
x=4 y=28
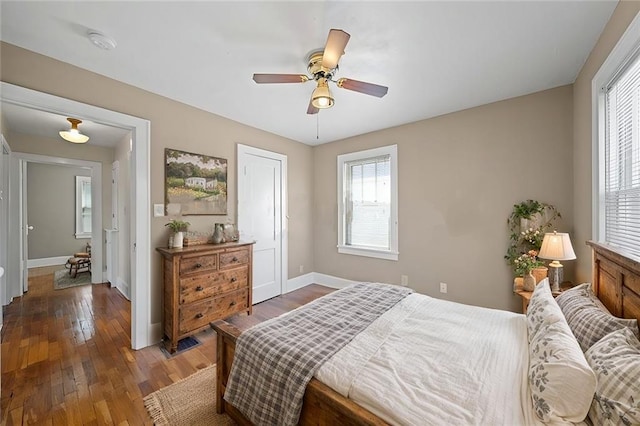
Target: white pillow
x=542 y=308
x=562 y=383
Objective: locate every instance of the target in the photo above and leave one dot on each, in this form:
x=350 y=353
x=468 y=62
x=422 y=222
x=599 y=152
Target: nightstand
x=526 y=295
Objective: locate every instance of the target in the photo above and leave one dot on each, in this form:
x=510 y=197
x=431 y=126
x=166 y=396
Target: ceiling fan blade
x=280 y=78
x=311 y=109
x=334 y=48
x=363 y=87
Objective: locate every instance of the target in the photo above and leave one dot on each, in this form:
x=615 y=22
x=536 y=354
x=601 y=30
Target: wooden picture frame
x=195 y=184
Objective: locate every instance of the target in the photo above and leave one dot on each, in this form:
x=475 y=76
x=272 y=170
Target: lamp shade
x=321 y=96
x=557 y=246
x=73 y=135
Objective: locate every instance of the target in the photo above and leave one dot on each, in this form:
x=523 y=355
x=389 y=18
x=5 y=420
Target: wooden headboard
x=616 y=280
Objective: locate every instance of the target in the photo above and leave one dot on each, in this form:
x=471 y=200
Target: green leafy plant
x=523 y=241
x=528 y=208
x=178 y=225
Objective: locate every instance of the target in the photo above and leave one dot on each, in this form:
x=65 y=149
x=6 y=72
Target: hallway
x=66 y=358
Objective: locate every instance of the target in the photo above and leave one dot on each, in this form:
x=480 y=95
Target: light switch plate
x=158 y=210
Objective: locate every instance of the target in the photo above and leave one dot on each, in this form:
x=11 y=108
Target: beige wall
x=51 y=201
x=582 y=135
x=3 y=127
x=459 y=176
x=175 y=125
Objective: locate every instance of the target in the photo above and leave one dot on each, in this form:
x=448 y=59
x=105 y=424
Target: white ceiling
x=435 y=57
x=41 y=123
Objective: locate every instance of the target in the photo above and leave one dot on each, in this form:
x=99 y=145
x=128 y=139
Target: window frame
x=392 y=253
x=81 y=233
x=627 y=48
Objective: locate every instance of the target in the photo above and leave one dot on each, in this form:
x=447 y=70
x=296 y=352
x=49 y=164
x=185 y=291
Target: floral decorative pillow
x=542 y=308
x=615 y=359
x=562 y=383
x=590 y=321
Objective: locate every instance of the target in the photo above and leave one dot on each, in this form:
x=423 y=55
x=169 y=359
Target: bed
x=616 y=283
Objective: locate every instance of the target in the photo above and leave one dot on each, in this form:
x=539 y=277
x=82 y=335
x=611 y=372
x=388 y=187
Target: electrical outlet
x=443 y=287
x=301 y=269
x=404 y=280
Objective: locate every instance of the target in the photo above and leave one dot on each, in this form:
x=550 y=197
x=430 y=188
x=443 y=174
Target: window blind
x=368 y=202
x=622 y=159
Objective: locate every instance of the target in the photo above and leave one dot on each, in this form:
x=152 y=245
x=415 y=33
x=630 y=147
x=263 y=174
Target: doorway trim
x=96 y=200
x=140 y=249
x=242 y=152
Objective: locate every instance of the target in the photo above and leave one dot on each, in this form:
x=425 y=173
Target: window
x=83 y=207
x=368 y=203
x=617 y=145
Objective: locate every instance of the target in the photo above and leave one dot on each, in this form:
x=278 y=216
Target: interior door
x=261 y=213
x=4 y=219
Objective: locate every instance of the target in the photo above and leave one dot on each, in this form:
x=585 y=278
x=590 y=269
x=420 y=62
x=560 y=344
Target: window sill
x=367 y=252
x=82 y=236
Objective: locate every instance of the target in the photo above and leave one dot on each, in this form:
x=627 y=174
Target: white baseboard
x=331 y=281
x=316 y=278
x=47 y=261
x=122 y=287
x=299 y=282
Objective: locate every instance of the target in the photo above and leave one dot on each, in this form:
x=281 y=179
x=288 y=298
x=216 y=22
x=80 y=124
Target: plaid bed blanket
x=275 y=360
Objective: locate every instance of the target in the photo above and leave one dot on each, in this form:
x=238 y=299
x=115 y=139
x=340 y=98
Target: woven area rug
x=190 y=401
x=62 y=279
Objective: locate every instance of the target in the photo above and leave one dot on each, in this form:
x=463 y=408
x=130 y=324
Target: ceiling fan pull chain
x=317 y=126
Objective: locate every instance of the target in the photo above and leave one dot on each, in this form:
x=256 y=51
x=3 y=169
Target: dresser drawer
x=234 y=258
x=212 y=284
x=199 y=263
x=200 y=314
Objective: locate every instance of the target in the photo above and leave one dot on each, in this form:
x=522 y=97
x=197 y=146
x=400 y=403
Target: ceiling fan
x=322 y=67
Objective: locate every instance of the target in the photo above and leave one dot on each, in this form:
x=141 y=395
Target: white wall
x=123 y=157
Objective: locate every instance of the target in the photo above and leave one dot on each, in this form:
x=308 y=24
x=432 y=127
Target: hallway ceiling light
x=73 y=135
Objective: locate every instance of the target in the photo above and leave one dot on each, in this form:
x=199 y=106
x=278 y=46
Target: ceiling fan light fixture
x=321 y=97
x=73 y=135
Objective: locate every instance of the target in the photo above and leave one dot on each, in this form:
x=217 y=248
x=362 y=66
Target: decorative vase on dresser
x=204 y=283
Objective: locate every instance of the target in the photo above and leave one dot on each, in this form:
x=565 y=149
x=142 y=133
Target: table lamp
x=556 y=246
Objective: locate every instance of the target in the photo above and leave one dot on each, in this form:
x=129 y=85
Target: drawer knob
x=198 y=265
x=199 y=288
x=199 y=315
x=234 y=279
x=235 y=259
x=232 y=303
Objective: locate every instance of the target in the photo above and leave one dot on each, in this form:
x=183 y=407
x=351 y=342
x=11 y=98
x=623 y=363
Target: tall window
x=368 y=203
x=83 y=207
x=622 y=158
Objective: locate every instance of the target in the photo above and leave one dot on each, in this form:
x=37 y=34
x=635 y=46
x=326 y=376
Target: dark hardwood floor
x=66 y=356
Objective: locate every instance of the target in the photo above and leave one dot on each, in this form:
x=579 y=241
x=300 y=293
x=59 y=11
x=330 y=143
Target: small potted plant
x=524 y=265
x=528 y=222
x=178 y=227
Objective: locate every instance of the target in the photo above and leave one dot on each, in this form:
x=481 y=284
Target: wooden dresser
x=202 y=284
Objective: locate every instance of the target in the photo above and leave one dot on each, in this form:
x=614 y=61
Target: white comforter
x=432 y=362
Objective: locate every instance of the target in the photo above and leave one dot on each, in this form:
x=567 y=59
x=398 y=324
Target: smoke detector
x=101 y=41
